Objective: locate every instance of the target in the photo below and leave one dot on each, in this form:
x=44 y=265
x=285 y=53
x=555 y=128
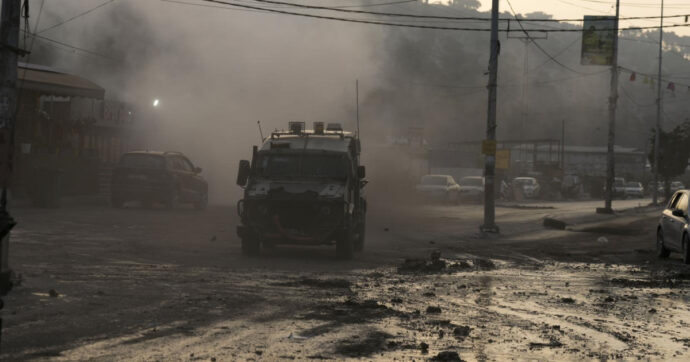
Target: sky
x=578 y=8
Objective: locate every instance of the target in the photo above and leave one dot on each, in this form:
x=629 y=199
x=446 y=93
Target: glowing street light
x=156 y=102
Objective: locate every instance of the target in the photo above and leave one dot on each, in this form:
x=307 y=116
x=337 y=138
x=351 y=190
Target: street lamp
x=156 y=102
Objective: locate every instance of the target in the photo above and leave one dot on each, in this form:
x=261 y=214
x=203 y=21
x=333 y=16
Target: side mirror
x=361 y=172
x=197 y=169
x=678 y=213
x=243 y=173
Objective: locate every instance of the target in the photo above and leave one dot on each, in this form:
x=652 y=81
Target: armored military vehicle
x=304 y=187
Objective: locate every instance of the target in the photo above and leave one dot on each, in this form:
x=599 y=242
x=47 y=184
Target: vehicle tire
x=661 y=250
x=251 y=247
x=686 y=249
x=344 y=246
x=453 y=198
x=173 y=199
x=359 y=240
x=202 y=202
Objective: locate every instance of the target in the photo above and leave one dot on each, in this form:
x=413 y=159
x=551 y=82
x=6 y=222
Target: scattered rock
x=552 y=344
x=213 y=238
x=53 y=293
x=447 y=356
x=568 y=300
x=461 y=332
x=433 y=309
x=484 y=264
x=435 y=255
x=396 y=300
x=652 y=311
x=429 y=294
x=551 y=223
x=424 y=347
x=609 y=299
x=385 y=229
x=602 y=240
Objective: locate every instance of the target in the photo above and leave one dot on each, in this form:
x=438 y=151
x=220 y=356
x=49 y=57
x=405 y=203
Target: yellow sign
x=489 y=147
x=503 y=159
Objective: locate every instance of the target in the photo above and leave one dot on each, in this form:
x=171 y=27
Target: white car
x=472 y=187
x=530 y=186
x=676 y=186
x=439 y=187
x=633 y=190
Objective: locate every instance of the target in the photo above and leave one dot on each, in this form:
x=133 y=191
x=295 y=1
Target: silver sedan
x=672 y=232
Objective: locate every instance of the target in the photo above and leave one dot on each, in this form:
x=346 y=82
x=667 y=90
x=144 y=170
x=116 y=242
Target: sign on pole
x=503 y=159
x=598 y=37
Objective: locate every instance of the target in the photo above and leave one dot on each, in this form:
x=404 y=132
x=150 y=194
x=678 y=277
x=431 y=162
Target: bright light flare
x=156 y=102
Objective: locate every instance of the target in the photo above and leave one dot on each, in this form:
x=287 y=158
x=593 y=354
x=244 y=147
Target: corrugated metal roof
x=51 y=82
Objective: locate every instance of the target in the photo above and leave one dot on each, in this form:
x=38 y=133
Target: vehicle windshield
x=141 y=160
x=471 y=181
x=304 y=165
x=434 y=180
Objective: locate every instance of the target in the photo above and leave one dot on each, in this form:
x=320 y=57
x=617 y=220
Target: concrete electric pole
x=489 y=146
x=657 y=128
x=9 y=49
x=613 y=99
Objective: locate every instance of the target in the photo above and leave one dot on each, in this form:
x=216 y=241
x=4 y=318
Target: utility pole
x=489 y=151
x=657 y=128
x=613 y=99
x=9 y=49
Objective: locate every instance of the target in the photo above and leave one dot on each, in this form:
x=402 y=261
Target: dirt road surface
x=134 y=284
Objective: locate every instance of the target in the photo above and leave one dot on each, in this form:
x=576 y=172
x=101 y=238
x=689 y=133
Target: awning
x=51 y=82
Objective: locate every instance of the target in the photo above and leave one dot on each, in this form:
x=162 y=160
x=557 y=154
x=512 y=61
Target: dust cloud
x=217 y=71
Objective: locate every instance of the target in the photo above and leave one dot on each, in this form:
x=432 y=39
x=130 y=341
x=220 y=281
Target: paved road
x=157 y=284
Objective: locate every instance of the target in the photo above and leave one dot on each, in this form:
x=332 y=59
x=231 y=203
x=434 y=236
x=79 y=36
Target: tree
x=674 y=152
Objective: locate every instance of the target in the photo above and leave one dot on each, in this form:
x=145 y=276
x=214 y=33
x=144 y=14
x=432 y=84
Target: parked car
x=529 y=185
x=618 y=188
x=158 y=177
x=672 y=231
x=439 y=187
x=677 y=186
x=659 y=188
x=633 y=189
x=472 y=187
x=571 y=186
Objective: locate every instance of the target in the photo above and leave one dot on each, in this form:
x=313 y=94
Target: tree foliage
x=674 y=151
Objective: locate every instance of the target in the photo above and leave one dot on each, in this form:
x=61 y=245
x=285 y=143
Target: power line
x=36 y=36
x=539 y=46
x=75 y=16
x=339 y=9
x=402 y=25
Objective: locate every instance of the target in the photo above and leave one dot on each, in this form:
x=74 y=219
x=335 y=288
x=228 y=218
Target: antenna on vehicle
x=260 y=132
x=357 y=101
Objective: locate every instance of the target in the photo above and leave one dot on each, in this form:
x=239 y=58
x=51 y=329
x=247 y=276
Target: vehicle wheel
x=251 y=247
x=453 y=198
x=661 y=250
x=359 y=240
x=686 y=250
x=173 y=199
x=202 y=203
x=344 y=246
